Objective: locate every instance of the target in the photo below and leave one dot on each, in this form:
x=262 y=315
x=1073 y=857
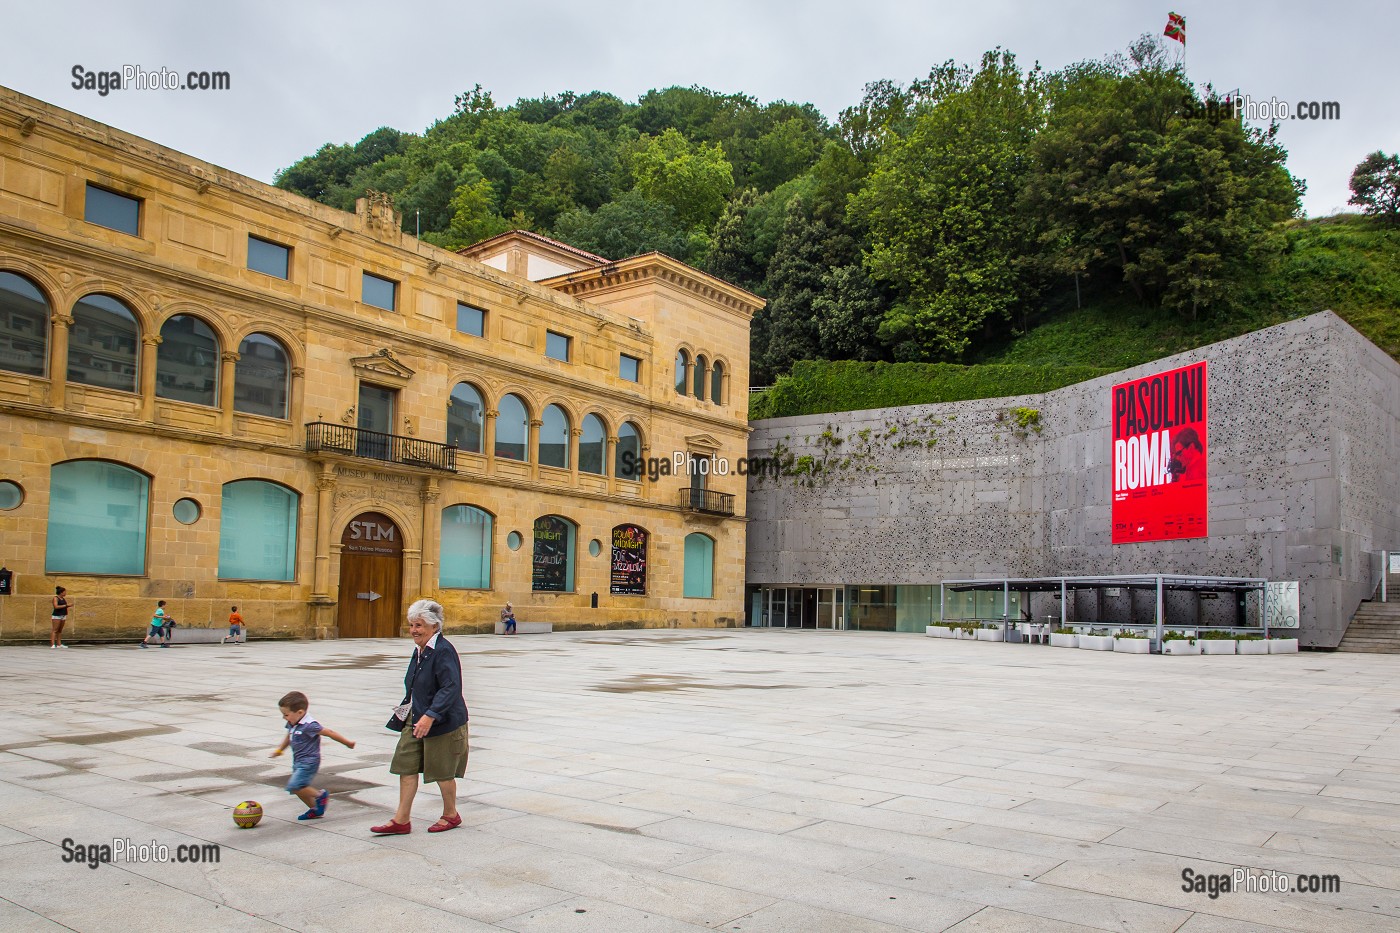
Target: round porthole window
x=186 y=511
x=11 y=495
x=513 y=540
x=595 y=547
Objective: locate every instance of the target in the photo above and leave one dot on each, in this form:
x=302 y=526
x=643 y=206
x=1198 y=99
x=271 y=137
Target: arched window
x=682 y=361
x=512 y=429
x=699 y=566
x=466 y=548
x=260 y=377
x=257 y=531
x=24 y=325
x=464 y=418
x=553 y=570
x=717 y=383
x=187 y=361
x=97 y=518
x=554 y=438
x=628 y=457
x=699 y=380
x=593 y=447
x=102 y=344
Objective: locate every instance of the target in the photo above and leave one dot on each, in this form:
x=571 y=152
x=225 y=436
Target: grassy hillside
x=1347 y=264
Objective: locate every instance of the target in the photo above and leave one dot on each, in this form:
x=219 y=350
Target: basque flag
x=1176 y=27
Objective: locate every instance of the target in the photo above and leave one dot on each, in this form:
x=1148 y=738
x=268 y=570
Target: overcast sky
x=306 y=72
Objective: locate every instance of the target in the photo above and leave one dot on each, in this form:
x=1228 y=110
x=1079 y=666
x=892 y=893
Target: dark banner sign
x=551 y=572
x=629 y=561
x=1160 y=451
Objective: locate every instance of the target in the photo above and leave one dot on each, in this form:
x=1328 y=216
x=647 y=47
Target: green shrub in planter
x=1064 y=631
x=1216 y=636
x=1129 y=633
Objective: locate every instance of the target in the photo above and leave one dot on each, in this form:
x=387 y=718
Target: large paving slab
x=741 y=781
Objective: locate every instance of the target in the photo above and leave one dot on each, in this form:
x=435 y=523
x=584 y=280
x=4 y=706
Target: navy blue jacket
x=435 y=687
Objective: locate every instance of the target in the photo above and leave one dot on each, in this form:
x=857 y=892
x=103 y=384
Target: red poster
x=1159 y=456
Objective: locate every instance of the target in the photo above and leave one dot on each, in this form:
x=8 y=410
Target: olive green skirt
x=437 y=758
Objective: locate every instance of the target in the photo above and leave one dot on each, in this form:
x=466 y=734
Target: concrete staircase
x=1376 y=626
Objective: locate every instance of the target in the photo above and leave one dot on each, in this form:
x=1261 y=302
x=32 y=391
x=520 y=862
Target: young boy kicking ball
x=304 y=736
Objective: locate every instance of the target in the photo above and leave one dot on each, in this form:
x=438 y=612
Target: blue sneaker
x=321 y=802
x=310 y=815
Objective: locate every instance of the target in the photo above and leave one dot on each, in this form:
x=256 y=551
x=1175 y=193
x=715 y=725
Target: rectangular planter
x=1096 y=642
x=1283 y=646
x=1254 y=646
x=1217 y=645
x=940 y=631
x=1133 y=645
x=1181 y=646
x=990 y=634
x=1064 y=641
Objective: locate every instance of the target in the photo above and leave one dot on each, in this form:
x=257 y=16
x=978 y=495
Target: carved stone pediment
x=702 y=443
x=382 y=366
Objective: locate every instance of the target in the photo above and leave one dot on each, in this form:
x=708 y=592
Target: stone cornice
x=662 y=268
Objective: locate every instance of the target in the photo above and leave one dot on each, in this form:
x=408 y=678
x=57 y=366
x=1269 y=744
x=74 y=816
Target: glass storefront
x=875 y=608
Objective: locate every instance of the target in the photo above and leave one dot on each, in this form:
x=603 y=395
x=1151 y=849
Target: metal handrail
x=705 y=500
x=324 y=437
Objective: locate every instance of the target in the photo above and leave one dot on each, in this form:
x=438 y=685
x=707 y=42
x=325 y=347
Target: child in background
x=160 y=627
x=304 y=736
x=235 y=627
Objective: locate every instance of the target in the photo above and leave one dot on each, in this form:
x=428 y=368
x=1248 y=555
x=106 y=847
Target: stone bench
x=527 y=628
x=199 y=635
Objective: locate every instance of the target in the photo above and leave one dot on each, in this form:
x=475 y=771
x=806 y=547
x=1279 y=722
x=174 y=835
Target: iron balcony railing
x=704 y=500
x=323 y=437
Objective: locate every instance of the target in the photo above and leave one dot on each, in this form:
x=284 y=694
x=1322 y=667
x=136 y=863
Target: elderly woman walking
x=433 y=740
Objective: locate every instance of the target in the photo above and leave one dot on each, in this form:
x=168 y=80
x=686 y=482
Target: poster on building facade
x=551 y=567
x=629 y=561
x=1160 y=452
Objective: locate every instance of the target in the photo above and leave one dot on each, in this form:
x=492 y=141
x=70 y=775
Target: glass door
x=830 y=603
x=375 y=413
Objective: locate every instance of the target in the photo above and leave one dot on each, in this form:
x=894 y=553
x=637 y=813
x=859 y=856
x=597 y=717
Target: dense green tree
x=1140 y=179
x=626 y=227
x=693 y=180
x=332 y=166
x=849 y=309
x=1375 y=186
x=940 y=206
x=731 y=252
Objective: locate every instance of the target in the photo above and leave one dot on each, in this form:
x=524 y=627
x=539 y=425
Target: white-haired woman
x=433 y=741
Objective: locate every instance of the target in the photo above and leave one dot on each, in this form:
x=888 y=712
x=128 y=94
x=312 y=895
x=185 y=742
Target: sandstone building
x=215 y=392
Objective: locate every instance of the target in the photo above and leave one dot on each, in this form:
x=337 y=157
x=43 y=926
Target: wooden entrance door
x=371 y=577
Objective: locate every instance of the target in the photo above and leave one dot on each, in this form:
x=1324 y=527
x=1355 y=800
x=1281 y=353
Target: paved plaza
x=746 y=781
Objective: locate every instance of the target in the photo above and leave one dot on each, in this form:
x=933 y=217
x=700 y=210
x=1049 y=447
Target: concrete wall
x=1303 y=481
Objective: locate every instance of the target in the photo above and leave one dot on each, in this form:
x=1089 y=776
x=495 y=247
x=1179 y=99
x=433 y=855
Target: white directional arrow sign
x=371 y=595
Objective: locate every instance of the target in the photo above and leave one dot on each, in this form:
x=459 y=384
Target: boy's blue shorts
x=302 y=775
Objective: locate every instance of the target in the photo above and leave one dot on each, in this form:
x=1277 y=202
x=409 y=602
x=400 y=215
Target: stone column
x=295 y=399
x=228 y=360
x=322 y=606
x=432 y=538
x=146 y=378
x=488 y=440
x=532 y=447
x=325 y=504
x=610 y=463
x=58 y=358
x=574 y=435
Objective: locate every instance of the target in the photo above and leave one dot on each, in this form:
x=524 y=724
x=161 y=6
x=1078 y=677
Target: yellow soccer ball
x=247 y=814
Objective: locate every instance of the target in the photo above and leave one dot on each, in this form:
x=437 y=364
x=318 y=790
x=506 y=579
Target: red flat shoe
x=393 y=829
x=446 y=823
